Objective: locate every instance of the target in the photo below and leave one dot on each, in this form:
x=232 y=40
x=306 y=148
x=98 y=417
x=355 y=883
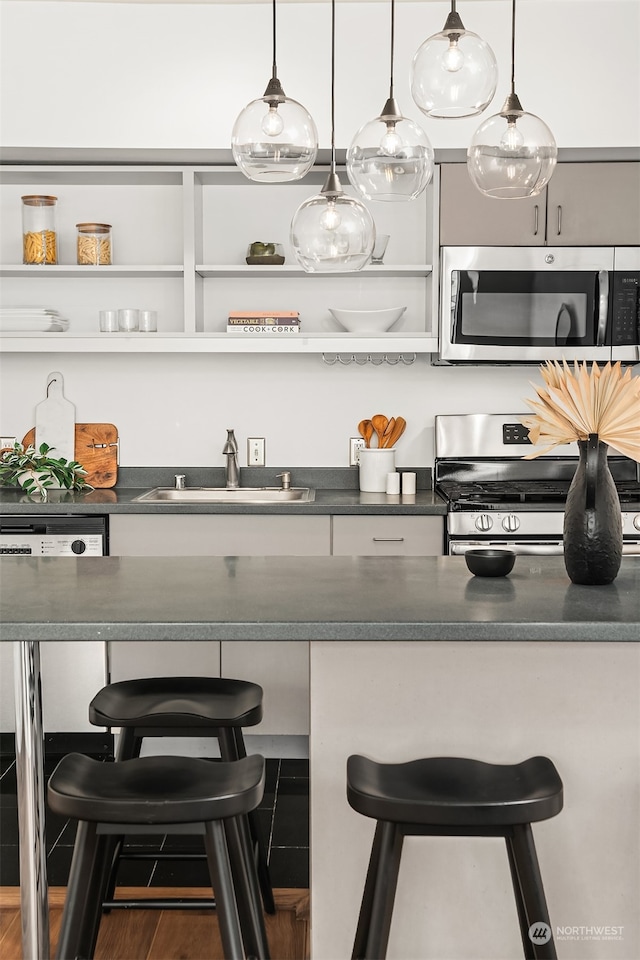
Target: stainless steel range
x=495 y=498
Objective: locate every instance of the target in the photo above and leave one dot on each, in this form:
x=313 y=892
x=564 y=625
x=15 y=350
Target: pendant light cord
x=274 y=69
x=333 y=73
x=393 y=27
x=513 y=47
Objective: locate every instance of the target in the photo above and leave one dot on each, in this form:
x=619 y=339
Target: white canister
x=375 y=464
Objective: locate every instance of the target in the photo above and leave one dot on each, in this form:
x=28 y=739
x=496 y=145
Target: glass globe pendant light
x=274 y=139
x=390 y=158
x=332 y=232
x=513 y=154
x=454 y=73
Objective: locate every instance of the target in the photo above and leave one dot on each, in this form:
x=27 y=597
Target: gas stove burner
x=479 y=495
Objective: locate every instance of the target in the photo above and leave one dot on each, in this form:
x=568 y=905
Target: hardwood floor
x=164 y=934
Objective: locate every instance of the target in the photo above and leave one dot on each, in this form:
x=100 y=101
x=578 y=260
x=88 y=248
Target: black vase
x=592 y=518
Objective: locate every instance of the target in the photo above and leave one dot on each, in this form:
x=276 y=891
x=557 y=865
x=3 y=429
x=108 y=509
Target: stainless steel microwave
x=531 y=304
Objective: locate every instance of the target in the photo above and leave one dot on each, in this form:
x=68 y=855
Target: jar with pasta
x=39 y=238
x=94 y=244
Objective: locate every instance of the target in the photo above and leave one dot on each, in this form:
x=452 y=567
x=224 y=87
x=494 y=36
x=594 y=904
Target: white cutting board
x=56 y=420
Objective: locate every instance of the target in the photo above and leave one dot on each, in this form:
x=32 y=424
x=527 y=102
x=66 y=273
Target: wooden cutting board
x=96 y=448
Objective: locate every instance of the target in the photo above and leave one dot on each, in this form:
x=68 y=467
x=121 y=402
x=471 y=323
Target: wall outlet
x=356 y=444
x=8 y=441
x=255 y=452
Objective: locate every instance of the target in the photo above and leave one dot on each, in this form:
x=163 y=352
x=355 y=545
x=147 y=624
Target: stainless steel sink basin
x=224 y=495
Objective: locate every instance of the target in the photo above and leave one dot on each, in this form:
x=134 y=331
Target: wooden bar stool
x=453 y=797
x=216 y=707
x=161 y=795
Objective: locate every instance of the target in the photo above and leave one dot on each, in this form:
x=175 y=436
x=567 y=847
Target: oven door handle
x=631 y=549
x=520 y=549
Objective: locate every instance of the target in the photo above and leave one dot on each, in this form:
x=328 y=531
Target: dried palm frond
x=576 y=403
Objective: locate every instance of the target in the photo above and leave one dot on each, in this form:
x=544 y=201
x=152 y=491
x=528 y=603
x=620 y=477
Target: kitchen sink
x=226 y=495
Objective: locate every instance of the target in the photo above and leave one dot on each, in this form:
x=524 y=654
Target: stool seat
x=152 y=790
x=178 y=702
x=455 y=791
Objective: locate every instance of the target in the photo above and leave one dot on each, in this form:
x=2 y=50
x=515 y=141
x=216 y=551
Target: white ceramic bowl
x=367 y=321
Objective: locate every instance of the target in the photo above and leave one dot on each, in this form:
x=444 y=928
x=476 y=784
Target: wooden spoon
x=397 y=431
x=365 y=429
x=387 y=432
x=379 y=422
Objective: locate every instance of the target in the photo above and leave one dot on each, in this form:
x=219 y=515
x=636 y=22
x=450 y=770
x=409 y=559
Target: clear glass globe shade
x=332 y=235
x=511 y=161
x=390 y=166
x=454 y=80
x=270 y=155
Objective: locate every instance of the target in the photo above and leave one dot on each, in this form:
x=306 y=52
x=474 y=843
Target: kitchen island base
x=577 y=703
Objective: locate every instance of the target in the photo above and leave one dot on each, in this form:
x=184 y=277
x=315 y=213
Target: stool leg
x=247 y=890
x=374 y=922
x=527 y=945
x=128 y=748
x=82 y=907
x=232 y=748
x=222 y=882
x=527 y=869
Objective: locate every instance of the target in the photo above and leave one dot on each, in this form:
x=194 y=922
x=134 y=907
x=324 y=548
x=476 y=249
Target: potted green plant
x=36 y=472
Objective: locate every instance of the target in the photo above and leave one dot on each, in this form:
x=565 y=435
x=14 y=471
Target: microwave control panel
x=625 y=308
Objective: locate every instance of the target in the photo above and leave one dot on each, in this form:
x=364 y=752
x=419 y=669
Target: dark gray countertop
x=336 y=489
x=309 y=598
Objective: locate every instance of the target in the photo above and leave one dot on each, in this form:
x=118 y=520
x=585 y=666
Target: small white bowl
x=367 y=321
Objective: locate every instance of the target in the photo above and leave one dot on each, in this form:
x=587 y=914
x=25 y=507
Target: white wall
x=175 y=76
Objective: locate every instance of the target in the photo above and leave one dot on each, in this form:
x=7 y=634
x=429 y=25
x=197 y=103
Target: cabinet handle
x=559 y=219
x=535 y=220
x=388 y=539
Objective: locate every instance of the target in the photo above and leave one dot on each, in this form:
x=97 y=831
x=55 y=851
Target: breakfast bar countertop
x=309 y=598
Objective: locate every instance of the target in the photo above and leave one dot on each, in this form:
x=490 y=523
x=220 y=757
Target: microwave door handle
x=603 y=281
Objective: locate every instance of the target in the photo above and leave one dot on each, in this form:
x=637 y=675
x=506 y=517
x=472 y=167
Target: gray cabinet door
x=594 y=203
x=468 y=218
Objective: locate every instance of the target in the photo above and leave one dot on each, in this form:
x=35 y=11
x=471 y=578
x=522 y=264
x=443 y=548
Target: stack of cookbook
x=263 y=322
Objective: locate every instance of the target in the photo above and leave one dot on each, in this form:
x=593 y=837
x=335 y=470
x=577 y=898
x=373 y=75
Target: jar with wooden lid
x=94 y=244
x=39 y=238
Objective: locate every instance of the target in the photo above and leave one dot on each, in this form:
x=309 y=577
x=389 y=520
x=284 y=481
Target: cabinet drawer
x=386 y=536
x=221 y=535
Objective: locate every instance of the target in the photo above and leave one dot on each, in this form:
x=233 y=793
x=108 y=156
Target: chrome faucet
x=230 y=451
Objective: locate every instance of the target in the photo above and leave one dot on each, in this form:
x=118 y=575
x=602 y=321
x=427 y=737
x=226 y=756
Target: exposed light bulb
x=272 y=123
x=453 y=58
x=512 y=139
x=330 y=219
x=391 y=141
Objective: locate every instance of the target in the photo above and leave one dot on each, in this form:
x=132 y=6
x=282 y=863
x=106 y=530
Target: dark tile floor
x=285 y=820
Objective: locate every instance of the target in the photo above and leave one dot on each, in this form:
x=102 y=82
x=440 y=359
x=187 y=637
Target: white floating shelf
x=218 y=343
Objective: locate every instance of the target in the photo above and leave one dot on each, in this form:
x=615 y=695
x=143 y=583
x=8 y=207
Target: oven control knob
x=78 y=546
x=484 y=522
x=636 y=521
x=510 y=523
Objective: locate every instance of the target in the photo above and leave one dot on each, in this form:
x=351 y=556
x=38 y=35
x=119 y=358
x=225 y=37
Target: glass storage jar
x=94 y=243
x=39 y=239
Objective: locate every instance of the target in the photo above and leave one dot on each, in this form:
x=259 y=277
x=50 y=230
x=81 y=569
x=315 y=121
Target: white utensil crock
x=375 y=464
